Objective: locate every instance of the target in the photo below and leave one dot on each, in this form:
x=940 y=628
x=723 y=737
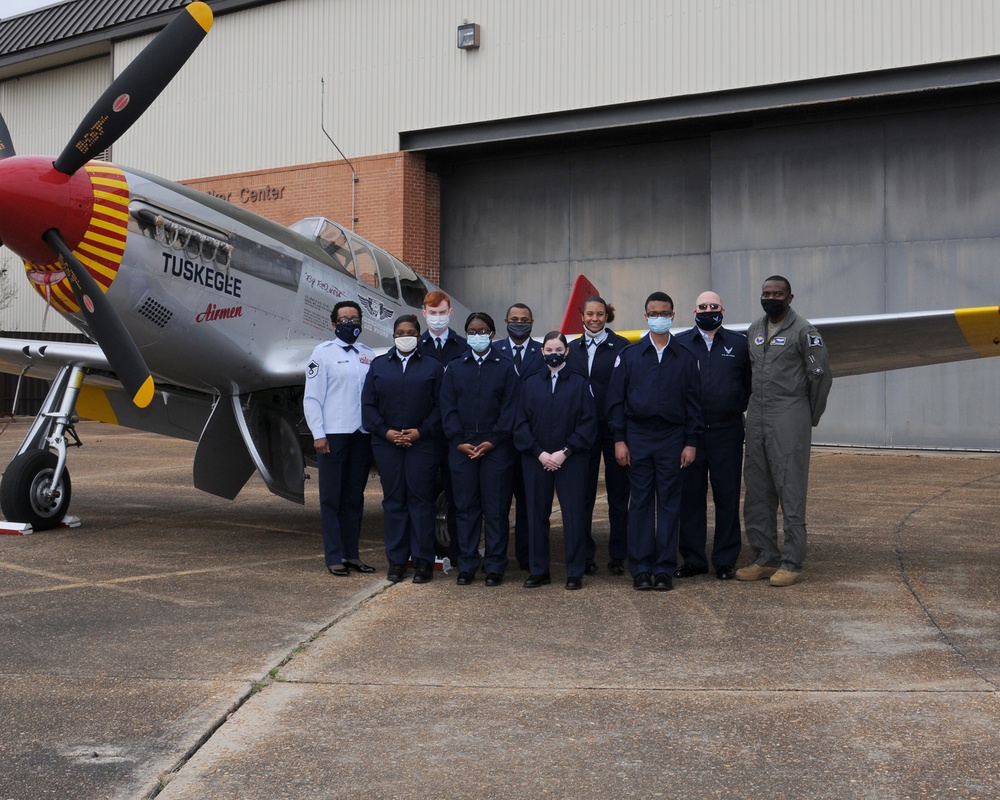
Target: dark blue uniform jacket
x=531 y=356
x=604 y=363
x=479 y=403
x=654 y=393
x=452 y=347
x=725 y=375
x=548 y=421
x=393 y=399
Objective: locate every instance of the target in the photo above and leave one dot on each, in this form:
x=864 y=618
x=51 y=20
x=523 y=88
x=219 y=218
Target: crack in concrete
x=905 y=575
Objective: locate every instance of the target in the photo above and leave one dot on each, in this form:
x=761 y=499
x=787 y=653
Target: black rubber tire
x=22 y=489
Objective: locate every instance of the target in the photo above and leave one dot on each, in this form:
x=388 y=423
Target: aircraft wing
x=860 y=345
x=45 y=359
x=881 y=342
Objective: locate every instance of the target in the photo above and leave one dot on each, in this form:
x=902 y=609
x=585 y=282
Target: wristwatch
x=567 y=451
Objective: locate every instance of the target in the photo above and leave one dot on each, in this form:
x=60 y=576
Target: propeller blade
x=105 y=325
x=6 y=143
x=131 y=93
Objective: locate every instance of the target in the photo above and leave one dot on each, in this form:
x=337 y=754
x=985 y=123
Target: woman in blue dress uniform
x=399 y=406
x=593 y=356
x=555 y=428
x=478 y=400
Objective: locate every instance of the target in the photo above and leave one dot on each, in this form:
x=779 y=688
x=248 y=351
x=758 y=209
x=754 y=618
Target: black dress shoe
x=616 y=566
x=725 y=573
x=494 y=579
x=689 y=571
x=465 y=578
x=591 y=567
x=396 y=573
x=359 y=567
x=642 y=582
x=574 y=583
x=423 y=572
x=341 y=572
x=534 y=581
x=662 y=582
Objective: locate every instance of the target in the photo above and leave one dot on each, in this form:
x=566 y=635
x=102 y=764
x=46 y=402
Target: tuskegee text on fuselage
x=180 y=267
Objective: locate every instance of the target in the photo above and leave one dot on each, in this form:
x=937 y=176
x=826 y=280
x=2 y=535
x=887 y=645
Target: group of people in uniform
x=518 y=420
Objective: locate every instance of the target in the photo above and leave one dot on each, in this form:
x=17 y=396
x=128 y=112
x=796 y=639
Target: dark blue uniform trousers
x=343 y=475
x=654 y=510
x=482 y=494
x=616 y=484
x=568 y=483
x=449 y=495
x=520 y=513
x=719 y=459
x=408 y=476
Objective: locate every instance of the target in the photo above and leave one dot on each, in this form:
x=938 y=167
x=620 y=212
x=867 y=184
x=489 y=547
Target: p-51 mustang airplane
x=204 y=315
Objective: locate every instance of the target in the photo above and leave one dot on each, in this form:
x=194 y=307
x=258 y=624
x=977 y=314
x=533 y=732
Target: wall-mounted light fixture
x=468 y=36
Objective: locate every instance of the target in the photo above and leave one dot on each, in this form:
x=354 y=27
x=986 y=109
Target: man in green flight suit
x=791 y=379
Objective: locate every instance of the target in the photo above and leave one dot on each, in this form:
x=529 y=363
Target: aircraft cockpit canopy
x=369 y=264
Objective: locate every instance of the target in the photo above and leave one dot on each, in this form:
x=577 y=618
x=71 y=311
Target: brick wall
x=397 y=203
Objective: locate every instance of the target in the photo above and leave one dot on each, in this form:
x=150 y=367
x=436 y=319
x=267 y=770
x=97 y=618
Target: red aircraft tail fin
x=572 y=321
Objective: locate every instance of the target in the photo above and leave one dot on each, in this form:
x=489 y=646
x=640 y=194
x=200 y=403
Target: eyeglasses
x=654 y=314
x=478 y=333
x=348 y=320
x=708 y=306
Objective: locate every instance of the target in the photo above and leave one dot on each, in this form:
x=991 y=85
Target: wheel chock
x=24 y=528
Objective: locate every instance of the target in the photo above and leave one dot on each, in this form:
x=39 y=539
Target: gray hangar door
x=882 y=214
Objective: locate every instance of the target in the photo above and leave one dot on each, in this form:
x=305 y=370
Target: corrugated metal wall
x=250 y=98
x=864 y=216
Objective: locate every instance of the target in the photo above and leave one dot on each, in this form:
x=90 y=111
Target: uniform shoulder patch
x=815 y=340
x=618 y=360
x=312 y=370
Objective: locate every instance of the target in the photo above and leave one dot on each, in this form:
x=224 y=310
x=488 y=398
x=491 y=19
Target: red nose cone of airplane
x=35 y=198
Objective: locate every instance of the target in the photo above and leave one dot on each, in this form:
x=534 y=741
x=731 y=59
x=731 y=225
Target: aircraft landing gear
x=36 y=487
x=30 y=491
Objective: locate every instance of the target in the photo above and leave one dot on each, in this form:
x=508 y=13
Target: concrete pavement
x=181 y=646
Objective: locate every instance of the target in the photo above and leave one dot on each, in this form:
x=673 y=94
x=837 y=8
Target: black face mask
x=708 y=320
x=348 y=332
x=519 y=330
x=773 y=307
x=554 y=359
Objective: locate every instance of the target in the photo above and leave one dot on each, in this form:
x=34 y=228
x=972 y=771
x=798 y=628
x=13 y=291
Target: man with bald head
x=724 y=363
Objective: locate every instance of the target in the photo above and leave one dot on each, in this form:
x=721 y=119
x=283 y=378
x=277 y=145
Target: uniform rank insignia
x=312 y=370
x=815 y=341
x=759 y=339
x=618 y=360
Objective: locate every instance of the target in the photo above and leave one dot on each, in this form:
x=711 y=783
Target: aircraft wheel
x=27 y=493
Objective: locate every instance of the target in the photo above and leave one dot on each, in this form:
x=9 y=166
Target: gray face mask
x=519 y=330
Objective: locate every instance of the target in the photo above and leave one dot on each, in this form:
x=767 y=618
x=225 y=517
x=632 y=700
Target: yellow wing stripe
x=93 y=403
x=981 y=328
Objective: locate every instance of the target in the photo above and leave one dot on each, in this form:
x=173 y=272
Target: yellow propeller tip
x=202 y=14
x=145 y=394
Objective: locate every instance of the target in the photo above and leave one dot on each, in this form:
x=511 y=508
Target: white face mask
x=438 y=322
x=406 y=344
